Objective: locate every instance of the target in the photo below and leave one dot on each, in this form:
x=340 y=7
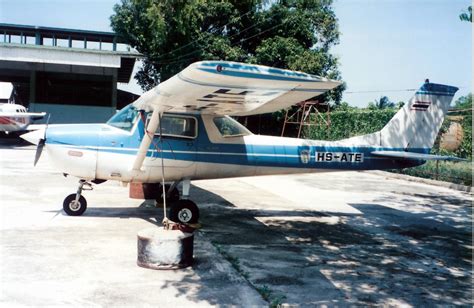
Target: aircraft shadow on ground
x=384 y=256
x=146 y=211
x=13 y=142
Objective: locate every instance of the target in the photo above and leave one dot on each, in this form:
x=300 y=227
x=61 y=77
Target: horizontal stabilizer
x=415 y=156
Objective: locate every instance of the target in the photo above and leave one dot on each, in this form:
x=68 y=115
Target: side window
x=178 y=126
x=229 y=127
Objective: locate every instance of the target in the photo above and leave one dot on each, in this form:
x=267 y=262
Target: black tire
x=74 y=210
x=173 y=196
x=184 y=211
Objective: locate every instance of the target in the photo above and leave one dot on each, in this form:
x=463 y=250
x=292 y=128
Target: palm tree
x=383 y=103
x=467 y=16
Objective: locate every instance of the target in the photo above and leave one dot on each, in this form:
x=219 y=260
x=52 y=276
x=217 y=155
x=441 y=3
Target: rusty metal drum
x=164 y=249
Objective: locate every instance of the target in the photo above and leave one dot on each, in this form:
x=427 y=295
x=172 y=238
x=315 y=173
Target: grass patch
x=269 y=296
x=454 y=172
x=234 y=261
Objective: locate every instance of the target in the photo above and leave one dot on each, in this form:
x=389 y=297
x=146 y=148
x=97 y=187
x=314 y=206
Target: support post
x=38 y=38
x=114 y=90
x=32 y=98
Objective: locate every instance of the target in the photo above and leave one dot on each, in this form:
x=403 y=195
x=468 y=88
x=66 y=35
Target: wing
x=36 y=115
x=230 y=88
x=32 y=115
x=415 y=156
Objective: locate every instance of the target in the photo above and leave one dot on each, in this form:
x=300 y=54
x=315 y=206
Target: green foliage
x=270 y=296
x=292 y=34
x=346 y=123
x=382 y=103
x=466 y=16
x=454 y=172
x=464 y=104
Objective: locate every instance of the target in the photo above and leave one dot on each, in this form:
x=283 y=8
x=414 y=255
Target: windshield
x=229 y=127
x=125 y=118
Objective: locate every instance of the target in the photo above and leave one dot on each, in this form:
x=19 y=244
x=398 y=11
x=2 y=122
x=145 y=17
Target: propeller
x=41 y=143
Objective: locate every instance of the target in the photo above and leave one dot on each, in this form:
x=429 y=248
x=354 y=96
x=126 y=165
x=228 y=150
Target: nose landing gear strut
x=76 y=204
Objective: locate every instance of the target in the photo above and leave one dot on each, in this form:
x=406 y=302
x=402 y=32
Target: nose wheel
x=76 y=204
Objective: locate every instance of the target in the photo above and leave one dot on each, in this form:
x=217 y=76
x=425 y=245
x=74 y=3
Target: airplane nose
x=34 y=136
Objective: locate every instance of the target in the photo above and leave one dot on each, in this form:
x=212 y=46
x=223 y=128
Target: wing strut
x=150 y=130
x=147 y=139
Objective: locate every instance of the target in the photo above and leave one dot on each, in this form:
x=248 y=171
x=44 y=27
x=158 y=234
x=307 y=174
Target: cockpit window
x=125 y=118
x=177 y=126
x=229 y=127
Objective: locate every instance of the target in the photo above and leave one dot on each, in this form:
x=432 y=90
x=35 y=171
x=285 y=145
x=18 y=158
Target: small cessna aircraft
x=182 y=130
x=15 y=118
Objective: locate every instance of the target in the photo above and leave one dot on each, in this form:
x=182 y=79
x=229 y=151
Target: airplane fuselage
x=15 y=118
x=106 y=152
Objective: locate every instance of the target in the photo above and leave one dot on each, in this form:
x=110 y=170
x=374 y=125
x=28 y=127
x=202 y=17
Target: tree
x=382 y=103
x=466 y=16
x=292 y=34
x=464 y=102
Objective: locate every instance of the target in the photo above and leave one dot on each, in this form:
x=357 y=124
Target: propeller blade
x=46 y=127
x=39 y=150
x=41 y=143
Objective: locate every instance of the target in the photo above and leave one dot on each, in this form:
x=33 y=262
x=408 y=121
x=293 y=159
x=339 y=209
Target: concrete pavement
x=347 y=238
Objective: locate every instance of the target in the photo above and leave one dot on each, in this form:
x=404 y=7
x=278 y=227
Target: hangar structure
x=71 y=74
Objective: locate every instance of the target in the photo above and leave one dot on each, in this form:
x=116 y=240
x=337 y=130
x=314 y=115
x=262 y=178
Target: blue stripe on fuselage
x=202 y=150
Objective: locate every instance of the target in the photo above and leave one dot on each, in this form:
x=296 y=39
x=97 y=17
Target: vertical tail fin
x=416 y=125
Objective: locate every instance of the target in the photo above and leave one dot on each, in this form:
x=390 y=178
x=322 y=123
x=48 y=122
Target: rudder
x=416 y=125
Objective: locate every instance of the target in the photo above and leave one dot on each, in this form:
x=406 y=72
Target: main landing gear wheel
x=73 y=207
x=184 y=211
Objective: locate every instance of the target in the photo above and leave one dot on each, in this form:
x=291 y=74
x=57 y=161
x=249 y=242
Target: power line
x=184 y=58
x=378 y=91
x=190 y=43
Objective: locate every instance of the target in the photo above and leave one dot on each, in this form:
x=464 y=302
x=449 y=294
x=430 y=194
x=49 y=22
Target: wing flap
x=230 y=88
x=415 y=156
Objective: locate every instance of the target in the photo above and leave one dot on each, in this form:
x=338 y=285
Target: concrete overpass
x=72 y=74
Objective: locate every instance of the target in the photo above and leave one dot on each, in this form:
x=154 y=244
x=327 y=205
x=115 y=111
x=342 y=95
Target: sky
x=386 y=46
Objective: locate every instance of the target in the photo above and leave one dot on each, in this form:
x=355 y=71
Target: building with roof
x=71 y=74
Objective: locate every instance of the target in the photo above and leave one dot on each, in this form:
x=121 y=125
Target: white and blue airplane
x=182 y=130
